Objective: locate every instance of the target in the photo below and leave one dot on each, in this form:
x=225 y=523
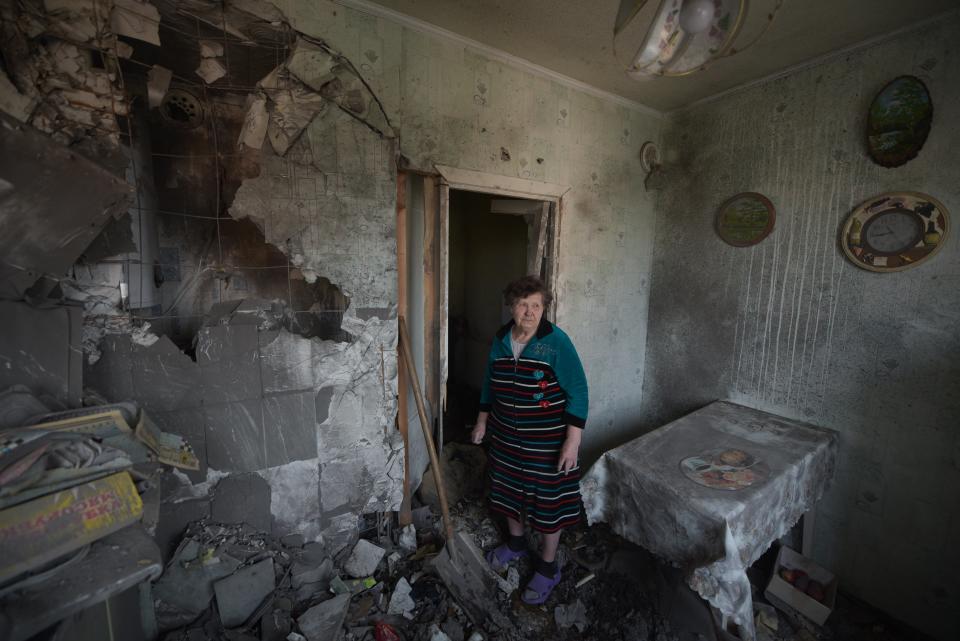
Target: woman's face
x=527 y=312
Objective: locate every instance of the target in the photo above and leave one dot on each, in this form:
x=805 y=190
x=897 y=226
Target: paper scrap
x=135 y=19
x=211 y=70
x=254 y=124
x=169 y=448
x=158 y=81
x=211 y=49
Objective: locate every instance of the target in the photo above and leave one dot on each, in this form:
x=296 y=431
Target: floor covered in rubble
x=382 y=588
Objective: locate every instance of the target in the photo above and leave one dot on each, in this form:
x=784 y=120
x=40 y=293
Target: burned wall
x=456 y=106
x=303 y=109
x=272 y=348
x=792 y=327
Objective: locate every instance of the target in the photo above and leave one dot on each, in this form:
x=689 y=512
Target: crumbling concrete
x=364 y=559
x=50 y=51
x=400 y=601
x=268 y=425
x=324 y=622
x=186 y=587
x=239 y=595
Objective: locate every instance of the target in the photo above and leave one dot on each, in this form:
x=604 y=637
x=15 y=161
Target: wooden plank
x=406 y=509
x=469 y=180
x=514 y=206
x=552 y=248
x=537 y=243
x=444 y=311
x=431 y=283
x=472 y=582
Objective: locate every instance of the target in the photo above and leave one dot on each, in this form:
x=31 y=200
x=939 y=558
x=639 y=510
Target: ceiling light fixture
x=681 y=37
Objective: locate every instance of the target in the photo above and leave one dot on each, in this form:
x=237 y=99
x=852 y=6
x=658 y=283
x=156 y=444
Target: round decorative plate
x=895 y=231
x=745 y=219
x=899 y=121
x=729 y=470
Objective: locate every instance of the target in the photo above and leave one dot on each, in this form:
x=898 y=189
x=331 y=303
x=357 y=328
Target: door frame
x=437 y=357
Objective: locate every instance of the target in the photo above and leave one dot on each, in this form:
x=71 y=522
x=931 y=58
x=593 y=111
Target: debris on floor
x=230 y=581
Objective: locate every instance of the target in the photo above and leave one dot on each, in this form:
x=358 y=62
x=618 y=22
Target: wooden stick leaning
x=404 y=345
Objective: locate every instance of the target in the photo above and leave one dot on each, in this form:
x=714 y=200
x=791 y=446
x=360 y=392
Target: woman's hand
x=568 y=453
x=480 y=429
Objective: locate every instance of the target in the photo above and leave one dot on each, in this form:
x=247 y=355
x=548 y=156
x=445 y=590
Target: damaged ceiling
x=575 y=39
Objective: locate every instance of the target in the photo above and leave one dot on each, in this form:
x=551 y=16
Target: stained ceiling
x=575 y=38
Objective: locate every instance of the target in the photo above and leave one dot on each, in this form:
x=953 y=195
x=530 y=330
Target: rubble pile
x=235 y=583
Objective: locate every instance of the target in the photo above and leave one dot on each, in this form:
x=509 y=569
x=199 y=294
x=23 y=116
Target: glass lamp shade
x=696 y=15
x=670 y=50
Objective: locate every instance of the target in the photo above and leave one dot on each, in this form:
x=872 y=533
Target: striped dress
x=531 y=402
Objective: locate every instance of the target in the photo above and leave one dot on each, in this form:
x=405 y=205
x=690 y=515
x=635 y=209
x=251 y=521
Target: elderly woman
x=534 y=402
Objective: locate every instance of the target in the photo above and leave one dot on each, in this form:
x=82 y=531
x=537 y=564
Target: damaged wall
x=790 y=326
x=454 y=106
x=299 y=146
x=275 y=346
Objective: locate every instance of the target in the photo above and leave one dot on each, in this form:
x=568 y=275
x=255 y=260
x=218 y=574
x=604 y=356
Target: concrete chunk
x=241 y=593
x=324 y=622
x=400 y=601
x=364 y=559
x=185 y=589
x=275 y=626
x=570 y=615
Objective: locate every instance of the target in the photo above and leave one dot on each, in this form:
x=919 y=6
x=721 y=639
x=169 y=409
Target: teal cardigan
x=550 y=344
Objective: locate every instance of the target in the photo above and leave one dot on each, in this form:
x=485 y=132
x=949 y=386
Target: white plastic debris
x=436 y=634
x=408 y=539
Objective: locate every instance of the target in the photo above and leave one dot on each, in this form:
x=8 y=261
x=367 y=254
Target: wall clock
x=745 y=219
x=895 y=231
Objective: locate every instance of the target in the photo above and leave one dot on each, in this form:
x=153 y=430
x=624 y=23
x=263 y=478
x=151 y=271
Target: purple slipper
x=501 y=556
x=541 y=586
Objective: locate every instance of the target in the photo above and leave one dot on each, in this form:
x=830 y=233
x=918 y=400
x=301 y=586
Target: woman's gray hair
x=526 y=286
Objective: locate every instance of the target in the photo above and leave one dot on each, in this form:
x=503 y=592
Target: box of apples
x=799 y=585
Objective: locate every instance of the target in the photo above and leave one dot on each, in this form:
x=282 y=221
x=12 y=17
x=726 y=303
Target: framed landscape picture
x=899 y=121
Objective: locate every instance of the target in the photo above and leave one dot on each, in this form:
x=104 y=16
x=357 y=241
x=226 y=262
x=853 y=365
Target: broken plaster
x=358 y=466
x=58 y=89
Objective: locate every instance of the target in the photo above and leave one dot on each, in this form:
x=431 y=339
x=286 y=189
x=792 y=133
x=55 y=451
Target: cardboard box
x=786 y=597
x=45 y=528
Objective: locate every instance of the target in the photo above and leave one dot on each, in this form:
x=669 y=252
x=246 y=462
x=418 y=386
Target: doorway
x=489 y=246
x=462 y=235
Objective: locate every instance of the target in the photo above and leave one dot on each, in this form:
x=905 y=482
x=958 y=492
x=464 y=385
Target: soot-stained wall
x=792 y=327
x=319 y=194
x=455 y=106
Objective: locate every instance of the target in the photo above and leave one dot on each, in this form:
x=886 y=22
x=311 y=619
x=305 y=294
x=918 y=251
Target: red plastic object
x=385 y=632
